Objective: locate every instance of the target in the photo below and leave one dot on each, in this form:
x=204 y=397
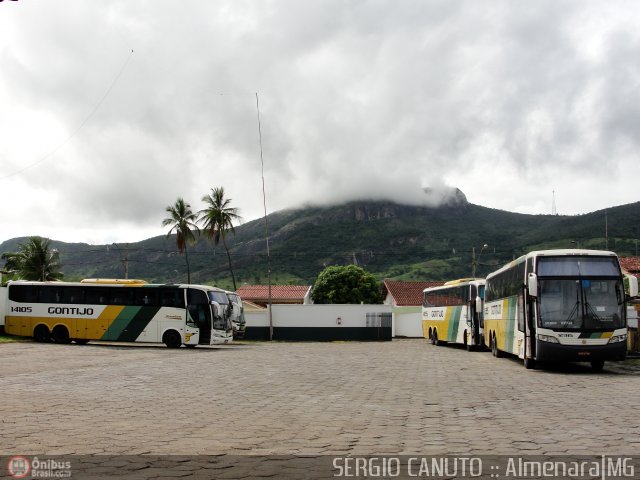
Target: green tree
x=182 y=221
x=348 y=284
x=217 y=220
x=35 y=260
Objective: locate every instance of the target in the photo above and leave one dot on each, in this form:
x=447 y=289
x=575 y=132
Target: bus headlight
x=618 y=338
x=548 y=338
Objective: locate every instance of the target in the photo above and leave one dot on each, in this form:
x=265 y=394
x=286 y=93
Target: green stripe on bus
x=511 y=307
x=120 y=323
x=454 y=321
x=130 y=323
x=138 y=323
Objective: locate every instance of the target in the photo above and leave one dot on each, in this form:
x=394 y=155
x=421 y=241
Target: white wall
x=315 y=315
x=407 y=322
x=3 y=304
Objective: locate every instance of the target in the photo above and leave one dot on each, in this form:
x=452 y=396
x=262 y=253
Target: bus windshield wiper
x=589 y=309
x=573 y=313
x=592 y=313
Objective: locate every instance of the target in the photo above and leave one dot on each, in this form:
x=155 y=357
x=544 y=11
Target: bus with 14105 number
x=117 y=311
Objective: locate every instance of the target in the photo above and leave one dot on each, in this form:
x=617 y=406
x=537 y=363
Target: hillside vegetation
x=388 y=239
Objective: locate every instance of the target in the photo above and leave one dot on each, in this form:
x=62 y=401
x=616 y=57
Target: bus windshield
x=575 y=266
x=581 y=304
x=219 y=297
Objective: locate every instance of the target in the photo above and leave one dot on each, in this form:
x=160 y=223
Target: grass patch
x=11 y=338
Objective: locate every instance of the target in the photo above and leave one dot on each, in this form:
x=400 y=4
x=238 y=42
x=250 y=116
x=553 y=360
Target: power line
x=77 y=130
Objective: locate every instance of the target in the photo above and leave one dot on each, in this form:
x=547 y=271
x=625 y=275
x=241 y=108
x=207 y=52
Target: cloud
x=362 y=99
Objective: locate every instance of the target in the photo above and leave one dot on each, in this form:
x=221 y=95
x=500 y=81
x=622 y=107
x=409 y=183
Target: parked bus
x=453 y=313
x=237 y=315
x=3 y=307
x=128 y=311
x=558 y=305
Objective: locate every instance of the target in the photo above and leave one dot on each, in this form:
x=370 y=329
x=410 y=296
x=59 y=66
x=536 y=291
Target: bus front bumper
x=552 y=352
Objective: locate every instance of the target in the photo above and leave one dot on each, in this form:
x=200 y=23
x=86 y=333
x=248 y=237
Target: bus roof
x=459 y=282
x=118 y=284
x=553 y=253
x=125 y=281
x=462 y=280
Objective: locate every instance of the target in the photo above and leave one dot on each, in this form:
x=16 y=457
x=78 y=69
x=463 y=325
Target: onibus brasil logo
x=19 y=467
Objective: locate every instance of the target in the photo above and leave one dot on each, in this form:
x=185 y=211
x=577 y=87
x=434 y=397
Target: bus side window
x=72 y=295
x=197 y=297
x=172 y=297
x=96 y=295
x=146 y=297
x=23 y=293
x=50 y=294
x=121 y=296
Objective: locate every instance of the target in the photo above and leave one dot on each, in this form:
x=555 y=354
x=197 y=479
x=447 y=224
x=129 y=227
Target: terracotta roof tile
x=408 y=293
x=288 y=293
x=631 y=264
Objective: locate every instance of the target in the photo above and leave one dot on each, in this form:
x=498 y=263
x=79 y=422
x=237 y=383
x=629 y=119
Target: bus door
x=473 y=319
x=199 y=310
x=530 y=314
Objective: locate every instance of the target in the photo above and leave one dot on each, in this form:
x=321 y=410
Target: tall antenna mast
x=266 y=221
x=606 y=231
x=553 y=204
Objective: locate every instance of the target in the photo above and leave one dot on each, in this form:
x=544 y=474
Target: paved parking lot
x=132 y=411
x=400 y=397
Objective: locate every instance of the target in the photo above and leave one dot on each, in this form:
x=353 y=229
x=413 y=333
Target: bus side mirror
x=478 y=304
x=532 y=285
x=633 y=286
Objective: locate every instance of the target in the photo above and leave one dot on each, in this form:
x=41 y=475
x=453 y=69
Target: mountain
x=389 y=239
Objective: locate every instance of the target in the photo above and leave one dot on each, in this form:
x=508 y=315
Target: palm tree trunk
x=233 y=278
x=186 y=255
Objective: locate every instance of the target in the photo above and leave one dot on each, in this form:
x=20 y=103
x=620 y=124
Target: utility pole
x=266 y=221
x=606 y=231
x=124 y=258
x=474 y=262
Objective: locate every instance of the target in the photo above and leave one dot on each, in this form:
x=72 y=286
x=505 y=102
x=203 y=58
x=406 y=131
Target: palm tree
x=35 y=260
x=183 y=223
x=217 y=220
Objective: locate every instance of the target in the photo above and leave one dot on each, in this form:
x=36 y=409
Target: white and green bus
x=236 y=315
x=453 y=313
x=117 y=311
x=559 y=305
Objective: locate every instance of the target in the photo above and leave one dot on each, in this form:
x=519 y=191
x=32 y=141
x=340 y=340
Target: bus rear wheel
x=60 y=334
x=42 y=334
x=494 y=348
x=172 y=339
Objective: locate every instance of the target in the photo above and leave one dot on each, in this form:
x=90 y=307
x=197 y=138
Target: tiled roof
x=279 y=293
x=631 y=265
x=408 y=293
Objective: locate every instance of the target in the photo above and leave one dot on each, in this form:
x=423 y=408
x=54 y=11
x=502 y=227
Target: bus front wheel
x=172 y=339
x=597 y=365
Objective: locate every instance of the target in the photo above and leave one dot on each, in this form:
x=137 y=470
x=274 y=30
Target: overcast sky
x=111 y=110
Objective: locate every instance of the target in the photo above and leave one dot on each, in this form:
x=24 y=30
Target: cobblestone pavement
x=397 y=398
